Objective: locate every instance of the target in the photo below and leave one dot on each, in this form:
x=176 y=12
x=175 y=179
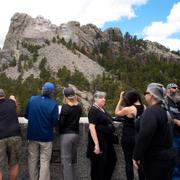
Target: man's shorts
x=10 y=150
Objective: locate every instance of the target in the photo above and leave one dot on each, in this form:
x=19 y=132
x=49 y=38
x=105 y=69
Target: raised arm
x=119 y=108
x=129 y=111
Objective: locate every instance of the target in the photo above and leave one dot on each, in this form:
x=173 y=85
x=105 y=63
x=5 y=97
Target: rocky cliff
x=89 y=37
x=71 y=45
x=39 y=31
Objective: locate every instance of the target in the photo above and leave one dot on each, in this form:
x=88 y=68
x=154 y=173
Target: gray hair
x=99 y=95
x=157 y=91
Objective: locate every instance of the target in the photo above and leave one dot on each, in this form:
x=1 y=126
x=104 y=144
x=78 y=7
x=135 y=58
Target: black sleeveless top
x=129 y=123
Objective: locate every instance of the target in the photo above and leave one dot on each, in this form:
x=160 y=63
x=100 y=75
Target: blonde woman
x=69 y=132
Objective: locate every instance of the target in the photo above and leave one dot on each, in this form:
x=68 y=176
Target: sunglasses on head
x=145 y=93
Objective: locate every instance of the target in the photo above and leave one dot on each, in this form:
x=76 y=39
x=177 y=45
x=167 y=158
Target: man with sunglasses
x=154 y=141
x=171 y=95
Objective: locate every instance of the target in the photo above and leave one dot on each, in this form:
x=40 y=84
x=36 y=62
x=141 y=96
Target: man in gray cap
x=10 y=136
x=154 y=140
x=172 y=90
x=42 y=115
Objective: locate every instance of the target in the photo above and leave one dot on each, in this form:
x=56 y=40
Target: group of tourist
x=43 y=115
x=150 y=136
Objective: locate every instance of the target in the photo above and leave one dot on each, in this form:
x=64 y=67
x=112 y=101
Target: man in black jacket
x=10 y=139
x=154 y=141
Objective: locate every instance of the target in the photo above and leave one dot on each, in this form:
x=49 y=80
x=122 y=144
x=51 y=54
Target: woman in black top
x=129 y=107
x=154 y=141
x=100 y=149
x=69 y=133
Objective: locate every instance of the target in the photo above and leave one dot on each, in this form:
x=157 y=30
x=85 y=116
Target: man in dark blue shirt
x=42 y=115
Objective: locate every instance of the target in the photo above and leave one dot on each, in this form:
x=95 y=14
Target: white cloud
x=163 y=32
x=61 y=11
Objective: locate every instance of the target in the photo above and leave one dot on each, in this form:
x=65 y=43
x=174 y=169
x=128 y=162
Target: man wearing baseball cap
x=171 y=93
x=42 y=115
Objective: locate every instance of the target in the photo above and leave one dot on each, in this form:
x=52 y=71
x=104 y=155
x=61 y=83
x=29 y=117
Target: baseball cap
x=2 y=93
x=48 y=86
x=69 y=92
x=172 y=85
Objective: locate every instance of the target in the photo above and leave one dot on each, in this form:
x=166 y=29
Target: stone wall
x=83 y=165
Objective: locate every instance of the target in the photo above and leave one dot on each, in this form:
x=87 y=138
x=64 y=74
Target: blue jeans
x=176 y=145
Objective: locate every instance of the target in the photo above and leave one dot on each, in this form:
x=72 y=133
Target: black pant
x=128 y=143
x=102 y=166
x=158 y=169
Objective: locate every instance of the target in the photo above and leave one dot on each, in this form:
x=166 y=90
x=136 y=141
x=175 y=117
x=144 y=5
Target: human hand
x=97 y=150
x=177 y=122
x=12 y=97
x=136 y=163
x=121 y=94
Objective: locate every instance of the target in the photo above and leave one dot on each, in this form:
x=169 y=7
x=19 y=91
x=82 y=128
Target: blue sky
x=154 y=10
x=155 y=20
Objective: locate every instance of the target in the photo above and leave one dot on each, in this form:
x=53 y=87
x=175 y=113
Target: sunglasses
x=173 y=87
x=145 y=93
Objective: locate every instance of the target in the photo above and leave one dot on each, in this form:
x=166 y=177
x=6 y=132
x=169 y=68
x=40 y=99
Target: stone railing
x=83 y=164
